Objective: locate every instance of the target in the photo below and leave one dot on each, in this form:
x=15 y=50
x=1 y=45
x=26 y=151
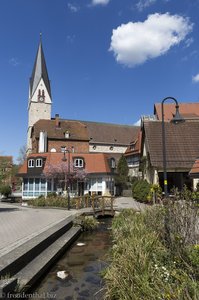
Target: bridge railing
x=98 y=203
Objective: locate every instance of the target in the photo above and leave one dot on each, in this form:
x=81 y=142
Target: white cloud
x=188 y=42
x=196 y=78
x=70 y=38
x=141 y=4
x=14 y=61
x=74 y=8
x=102 y=2
x=135 y=43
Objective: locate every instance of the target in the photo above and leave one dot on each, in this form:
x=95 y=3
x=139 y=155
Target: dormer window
x=113 y=163
x=67 y=134
x=63 y=149
x=31 y=163
x=39 y=162
x=78 y=162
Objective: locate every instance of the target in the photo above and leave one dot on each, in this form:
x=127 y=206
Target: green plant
x=86 y=222
x=193 y=256
x=5 y=190
x=51 y=195
x=180 y=220
x=155 y=193
x=143 y=266
x=185 y=194
x=141 y=190
x=122 y=173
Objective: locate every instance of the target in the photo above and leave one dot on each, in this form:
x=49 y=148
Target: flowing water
x=82 y=266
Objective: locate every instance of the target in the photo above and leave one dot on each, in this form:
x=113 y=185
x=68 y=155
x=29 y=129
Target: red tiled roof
x=187 y=110
x=137 y=146
x=94 y=162
x=195 y=168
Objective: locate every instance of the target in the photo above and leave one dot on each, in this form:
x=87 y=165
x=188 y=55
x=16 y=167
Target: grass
x=142 y=265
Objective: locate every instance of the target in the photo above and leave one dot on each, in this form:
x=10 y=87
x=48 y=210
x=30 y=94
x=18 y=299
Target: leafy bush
x=59 y=201
x=51 y=195
x=141 y=190
x=5 y=190
x=193 y=256
x=155 y=193
x=87 y=223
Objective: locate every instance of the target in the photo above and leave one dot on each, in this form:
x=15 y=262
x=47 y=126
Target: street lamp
x=68 y=186
x=176 y=119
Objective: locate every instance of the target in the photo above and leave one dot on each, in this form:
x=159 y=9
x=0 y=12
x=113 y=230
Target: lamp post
x=176 y=119
x=68 y=185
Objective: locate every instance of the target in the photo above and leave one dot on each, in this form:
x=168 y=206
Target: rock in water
x=81 y=244
x=62 y=274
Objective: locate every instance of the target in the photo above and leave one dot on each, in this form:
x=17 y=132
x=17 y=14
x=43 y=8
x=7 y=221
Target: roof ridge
x=98 y=122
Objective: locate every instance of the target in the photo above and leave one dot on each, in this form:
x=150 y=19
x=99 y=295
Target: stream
x=82 y=265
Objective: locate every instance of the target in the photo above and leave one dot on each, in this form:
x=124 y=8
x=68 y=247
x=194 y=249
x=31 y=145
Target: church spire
x=39 y=71
x=40 y=102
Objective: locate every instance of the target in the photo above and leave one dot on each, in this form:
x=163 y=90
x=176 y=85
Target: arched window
x=31 y=163
x=67 y=134
x=113 y=163
x=39 y=162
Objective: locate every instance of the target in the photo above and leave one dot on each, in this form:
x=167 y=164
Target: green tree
x=5 y=190
x=5 y=170
x=122 y=173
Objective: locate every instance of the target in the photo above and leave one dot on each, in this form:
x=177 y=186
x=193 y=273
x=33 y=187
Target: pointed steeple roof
x=39 y=71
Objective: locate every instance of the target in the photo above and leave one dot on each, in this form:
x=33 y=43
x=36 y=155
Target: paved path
x=128 y=202
x=18 y=224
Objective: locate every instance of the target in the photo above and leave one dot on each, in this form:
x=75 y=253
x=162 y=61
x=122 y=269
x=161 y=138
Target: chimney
x=42 y=141
x=57 y=122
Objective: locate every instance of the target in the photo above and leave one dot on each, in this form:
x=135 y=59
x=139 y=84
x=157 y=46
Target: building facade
x=57 y=172
x=47 y=135
x=182 y=142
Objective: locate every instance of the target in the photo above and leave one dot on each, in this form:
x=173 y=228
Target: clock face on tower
x=41 y=99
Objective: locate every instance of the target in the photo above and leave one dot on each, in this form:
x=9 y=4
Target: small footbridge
x=101 y=205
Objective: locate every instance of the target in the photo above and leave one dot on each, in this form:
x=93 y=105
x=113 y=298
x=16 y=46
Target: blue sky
x=108 y=60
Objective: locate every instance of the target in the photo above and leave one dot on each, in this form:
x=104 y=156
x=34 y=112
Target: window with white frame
x=113 y=163
x=78 y=162
x=63 y=149
x=31 y=163
x=39 y=162
x=67 y=134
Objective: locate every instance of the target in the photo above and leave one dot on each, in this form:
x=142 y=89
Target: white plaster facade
x=195 y=182
x=38 y=110
x=107 y=148
x=34 y=187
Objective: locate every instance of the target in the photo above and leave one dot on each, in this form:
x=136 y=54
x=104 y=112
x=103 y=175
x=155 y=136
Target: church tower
x=39 y=104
